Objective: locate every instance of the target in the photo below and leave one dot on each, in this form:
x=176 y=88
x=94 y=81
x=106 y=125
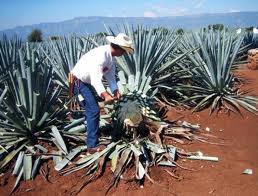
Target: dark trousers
x=92 y=111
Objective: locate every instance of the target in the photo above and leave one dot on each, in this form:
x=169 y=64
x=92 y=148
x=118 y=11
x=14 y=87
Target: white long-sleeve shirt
x=95 y=64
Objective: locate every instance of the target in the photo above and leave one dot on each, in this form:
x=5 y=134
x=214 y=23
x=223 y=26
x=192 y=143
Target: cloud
x=178 y=11
x=199 y=4
x=149 y=14
x=166 y=11
x=233 y=10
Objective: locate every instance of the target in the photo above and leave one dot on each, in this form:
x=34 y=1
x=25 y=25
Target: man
x=88 y=71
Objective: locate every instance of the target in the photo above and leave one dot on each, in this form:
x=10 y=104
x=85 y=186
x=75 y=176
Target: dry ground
x=210 y=178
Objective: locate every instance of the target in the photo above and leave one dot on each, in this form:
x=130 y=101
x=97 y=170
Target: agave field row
x=194 y=69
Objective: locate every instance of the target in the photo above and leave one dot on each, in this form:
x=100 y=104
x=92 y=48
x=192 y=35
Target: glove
x=117 y=94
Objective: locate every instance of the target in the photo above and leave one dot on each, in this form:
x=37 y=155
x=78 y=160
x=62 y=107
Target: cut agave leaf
x=57 y=157
x=10 y=156
x=172 y=152
x=35 y=168
x=141 y=171
x=114 y=161
x=44 y=150
x=166 y=163
x=61 y=164
x=155 y=147
x=27 y=165
x=77 y=129
x=17 y=180
x=74 y=123
x=59 y=139
x=18 y=164
x=136 y=151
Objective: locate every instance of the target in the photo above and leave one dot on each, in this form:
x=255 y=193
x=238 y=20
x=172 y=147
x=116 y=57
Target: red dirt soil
x=240 y=134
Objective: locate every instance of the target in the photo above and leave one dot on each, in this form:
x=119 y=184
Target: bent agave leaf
x=61 y=164
x=59 y=139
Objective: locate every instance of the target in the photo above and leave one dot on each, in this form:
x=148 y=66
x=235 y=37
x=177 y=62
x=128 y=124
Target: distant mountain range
x=95 y=24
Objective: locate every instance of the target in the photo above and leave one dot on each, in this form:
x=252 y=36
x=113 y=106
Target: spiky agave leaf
x=130 y=116
x=156 y=57
x=27 y=112
x=122 y=154
x=135 y=109
x=9 y=54
x=213 y=82
x=134 y=143
x=63 y=54
x=130 y=107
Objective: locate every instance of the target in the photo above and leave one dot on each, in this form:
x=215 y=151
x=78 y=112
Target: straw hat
x=123 y=41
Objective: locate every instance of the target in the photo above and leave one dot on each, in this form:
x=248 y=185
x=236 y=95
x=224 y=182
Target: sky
x=26 y=12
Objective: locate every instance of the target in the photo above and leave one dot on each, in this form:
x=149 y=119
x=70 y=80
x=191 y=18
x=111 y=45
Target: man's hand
x=117 y=94
x=107 y=97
